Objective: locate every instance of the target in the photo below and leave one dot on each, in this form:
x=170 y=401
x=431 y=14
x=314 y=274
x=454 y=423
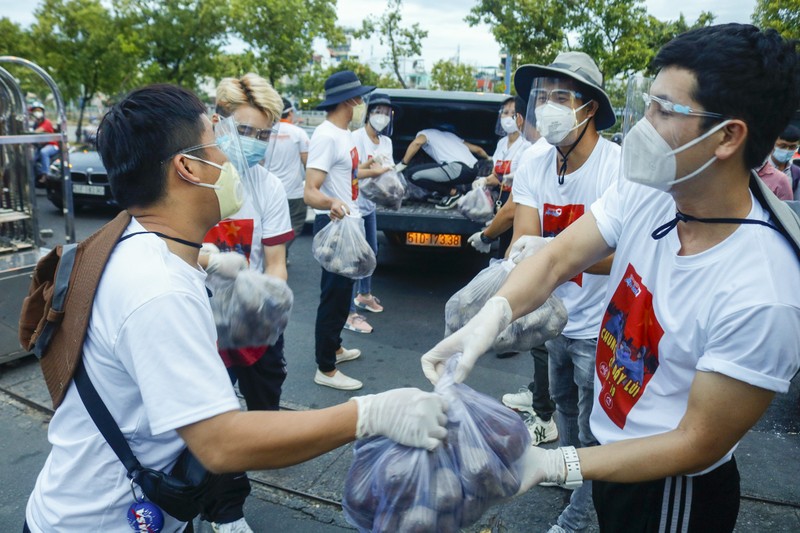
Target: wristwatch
x=574 y=478
x=485 y=239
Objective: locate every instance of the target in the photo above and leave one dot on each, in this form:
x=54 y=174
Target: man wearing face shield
x=696 y=335
x=254 y=237
x=150 y=348
x=332 y=174
x=568 y=105
x=373 y=143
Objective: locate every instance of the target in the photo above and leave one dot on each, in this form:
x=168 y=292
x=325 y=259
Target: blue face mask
x=254 y=150
x=783 y=155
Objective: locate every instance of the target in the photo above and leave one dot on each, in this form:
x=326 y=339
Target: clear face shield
x=655 y=130
x=507 y=122
x=381 y=118
x=557 y=109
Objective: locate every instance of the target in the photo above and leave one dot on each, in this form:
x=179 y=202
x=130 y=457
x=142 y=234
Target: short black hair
x=790 y=134
x=742 y=72
x=520 y=105
x=142 y=131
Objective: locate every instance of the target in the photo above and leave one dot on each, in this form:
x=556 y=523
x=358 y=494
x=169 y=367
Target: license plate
x=94 y=190
x=445 y=240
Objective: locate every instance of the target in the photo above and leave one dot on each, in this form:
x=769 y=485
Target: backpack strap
x=56 y=313
x=784 y=217
x=60 y=358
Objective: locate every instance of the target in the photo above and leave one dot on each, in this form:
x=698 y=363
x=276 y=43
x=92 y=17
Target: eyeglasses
x=557 y=96
x=667 y=108
x=186 y=151
x=256 y=133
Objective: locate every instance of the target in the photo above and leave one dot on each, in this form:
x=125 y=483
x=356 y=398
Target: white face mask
x=556 y=121
x=509 y=124
x=649 y=160
x=379 y=121
x=359 y=112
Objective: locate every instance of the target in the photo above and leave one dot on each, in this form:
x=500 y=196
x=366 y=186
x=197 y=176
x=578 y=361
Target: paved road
x=414 y=288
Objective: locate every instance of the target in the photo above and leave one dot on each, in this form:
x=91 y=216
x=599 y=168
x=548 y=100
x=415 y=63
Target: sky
x=448 y=35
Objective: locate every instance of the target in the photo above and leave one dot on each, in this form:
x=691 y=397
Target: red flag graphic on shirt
x=627 y=349
x=232 y=236
x=354 y=174
x=556 y=218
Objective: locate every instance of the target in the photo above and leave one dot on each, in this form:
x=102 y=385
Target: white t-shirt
x=561 y=205
x=333 y=151
x=733 y=309
x=285 y=162
x=446 y=147
x=506 y=159
x=368 y=150
x=262 y=220
x=151 y=353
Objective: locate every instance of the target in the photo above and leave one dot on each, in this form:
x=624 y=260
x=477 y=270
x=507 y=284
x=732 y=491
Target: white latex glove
x=472 y=341
x=399 y=167
x=526 y=246
x=408 y=416
x=542 y=465
x=478 y=183
x=478 y=244
x=226 y=264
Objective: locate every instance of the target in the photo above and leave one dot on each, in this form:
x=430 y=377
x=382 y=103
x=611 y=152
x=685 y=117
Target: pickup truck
x=474 y=116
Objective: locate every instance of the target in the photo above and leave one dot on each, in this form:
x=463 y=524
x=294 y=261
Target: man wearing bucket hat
x=332 y=190
x=567 y=104
x=697 y=335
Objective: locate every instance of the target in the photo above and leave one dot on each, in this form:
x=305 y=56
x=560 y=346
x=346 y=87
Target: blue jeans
x=43 y=157
x=572 y=363
x=364 y=285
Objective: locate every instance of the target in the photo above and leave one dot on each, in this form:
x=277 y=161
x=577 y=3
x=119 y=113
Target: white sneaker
x=347 y=355
x=520 y=401
x=239 y=526
x=541 y=431
x=337 y=381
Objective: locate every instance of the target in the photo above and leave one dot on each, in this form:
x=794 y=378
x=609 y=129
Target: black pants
x=336 y=293
x=700 y=504
x=260 y=384
x=442 y=177
x=540 y=386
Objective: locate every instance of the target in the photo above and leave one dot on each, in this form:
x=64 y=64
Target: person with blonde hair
x=257 y=235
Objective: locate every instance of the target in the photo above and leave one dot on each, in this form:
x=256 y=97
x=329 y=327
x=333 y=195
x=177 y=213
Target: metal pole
x=508 y=72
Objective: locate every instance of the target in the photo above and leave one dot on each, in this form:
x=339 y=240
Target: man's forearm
x=502 y=221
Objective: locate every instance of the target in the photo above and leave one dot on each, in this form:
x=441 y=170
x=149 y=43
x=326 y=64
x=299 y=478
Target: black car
x=89 y=181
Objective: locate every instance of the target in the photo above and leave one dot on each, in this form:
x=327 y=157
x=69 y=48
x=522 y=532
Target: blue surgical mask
x=782 y=155
x=254 y=150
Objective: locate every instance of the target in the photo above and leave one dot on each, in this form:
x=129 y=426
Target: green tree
x=781 y=15
x=14 y=40
x=178 y=40
x=280 y=32
x=84 y=48
x=402 y=42
x=660 y=32
x=449 y=76
x=533 y=31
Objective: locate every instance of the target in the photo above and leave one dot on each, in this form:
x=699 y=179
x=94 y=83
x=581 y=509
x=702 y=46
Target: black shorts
x=682 y=504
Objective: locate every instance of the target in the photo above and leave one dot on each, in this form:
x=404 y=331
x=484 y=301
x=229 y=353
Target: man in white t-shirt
x=288 y=162
x=150 y=347
x=331 y=188
x=454 y=163
x=558 y=187
x=701 y=315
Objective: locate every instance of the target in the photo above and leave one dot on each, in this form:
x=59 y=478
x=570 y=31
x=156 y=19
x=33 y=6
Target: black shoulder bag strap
x=105 y=422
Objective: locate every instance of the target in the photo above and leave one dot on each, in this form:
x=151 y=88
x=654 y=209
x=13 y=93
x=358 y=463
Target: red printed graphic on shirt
x=556 y=218
x=232 y=236
x=627 y=349
x=354 y=180
x=501 y=168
